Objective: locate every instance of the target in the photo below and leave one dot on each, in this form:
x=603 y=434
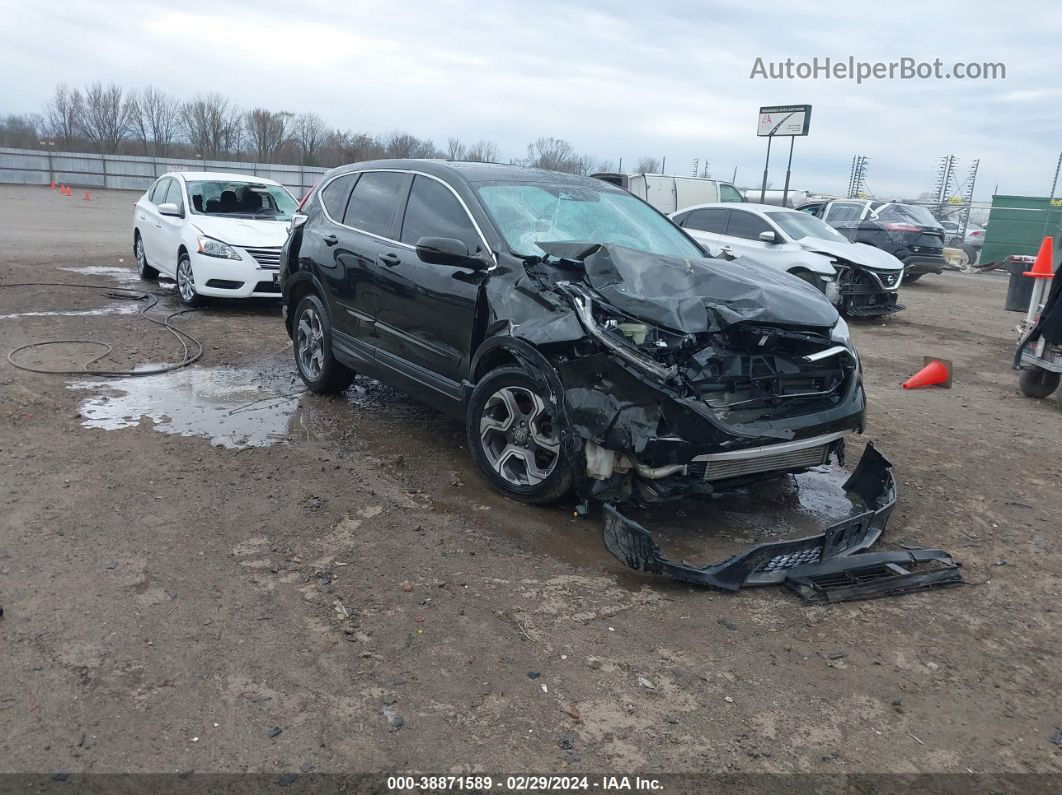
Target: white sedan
x=217 y=235
x=862 y=281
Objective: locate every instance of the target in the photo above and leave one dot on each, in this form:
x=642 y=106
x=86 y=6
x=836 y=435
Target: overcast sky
x=616 y=79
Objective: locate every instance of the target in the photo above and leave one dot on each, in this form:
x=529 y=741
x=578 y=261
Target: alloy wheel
x=185 y=283
x=309 y=344
x=141 y=260
x=519 y=436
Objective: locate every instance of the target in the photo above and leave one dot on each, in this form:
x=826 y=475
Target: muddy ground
x=204 y=571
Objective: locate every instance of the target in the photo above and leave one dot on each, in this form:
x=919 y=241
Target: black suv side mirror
x=447 y=251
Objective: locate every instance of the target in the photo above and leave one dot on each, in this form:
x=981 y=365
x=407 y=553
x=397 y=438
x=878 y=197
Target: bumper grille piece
x=795 y=459
x=266 y=257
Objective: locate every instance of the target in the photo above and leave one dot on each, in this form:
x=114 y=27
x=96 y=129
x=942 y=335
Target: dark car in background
x=586 y=342
x=907 y=231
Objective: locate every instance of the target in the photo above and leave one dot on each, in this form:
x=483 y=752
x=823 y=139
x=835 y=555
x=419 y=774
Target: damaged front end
x=866 y=292
x=694 y=377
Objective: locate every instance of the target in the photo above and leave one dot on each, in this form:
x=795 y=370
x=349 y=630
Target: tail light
x=903 y=227
x=977 y=233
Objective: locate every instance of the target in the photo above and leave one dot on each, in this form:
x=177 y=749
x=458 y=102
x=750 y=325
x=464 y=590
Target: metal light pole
x=788 y=168
x=766 y=163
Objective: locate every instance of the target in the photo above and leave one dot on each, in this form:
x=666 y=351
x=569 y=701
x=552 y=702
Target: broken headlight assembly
x=647 y=347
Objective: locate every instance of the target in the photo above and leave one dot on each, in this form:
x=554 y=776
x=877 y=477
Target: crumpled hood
x=699 y=295
x=857 y=253
x=242 y=231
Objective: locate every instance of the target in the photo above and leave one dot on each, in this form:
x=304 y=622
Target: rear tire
x=516 y=439
x=312 y=340
x=143 y=269
x=1037 y=383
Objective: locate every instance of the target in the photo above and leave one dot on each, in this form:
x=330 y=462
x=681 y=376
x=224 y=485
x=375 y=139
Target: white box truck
x=669 y=193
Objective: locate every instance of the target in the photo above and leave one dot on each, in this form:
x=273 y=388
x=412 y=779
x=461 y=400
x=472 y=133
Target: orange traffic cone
x=86 y=197
x=69 y=191
x=1041 y=269
x=935 y=372
x=52 y=186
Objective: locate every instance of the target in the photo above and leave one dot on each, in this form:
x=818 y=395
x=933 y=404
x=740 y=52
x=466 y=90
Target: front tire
x=143 y=269
x=1037 y=383
x=514 y=433
x=312 y=340
x=186 y=283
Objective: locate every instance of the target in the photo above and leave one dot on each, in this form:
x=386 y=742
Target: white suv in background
x=217 y=235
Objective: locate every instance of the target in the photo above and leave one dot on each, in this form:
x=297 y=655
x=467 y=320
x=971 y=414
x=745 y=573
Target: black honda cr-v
x=585 y=340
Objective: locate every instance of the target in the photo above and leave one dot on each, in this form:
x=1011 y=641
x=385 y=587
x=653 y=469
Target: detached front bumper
x=872 y=484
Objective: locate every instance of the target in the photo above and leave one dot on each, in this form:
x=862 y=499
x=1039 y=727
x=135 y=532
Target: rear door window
x=334 y=196
x=710 y=220
x=746 y=225
x=433 y=211
x=374 y=202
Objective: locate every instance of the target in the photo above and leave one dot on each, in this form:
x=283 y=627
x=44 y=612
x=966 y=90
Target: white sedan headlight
x=215 y=248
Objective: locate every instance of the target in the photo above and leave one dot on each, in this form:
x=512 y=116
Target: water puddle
x=111 y=272
x=238 y=407
x=115 y=308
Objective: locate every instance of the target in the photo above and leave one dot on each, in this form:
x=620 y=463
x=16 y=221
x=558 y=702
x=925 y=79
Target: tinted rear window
x=707 y=221
x=334 y=196
x=746 y=225
x=374 y=201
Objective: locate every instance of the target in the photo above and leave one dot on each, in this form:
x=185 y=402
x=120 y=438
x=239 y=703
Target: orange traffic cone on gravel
x=86 y=197
x=1041 y=269
x=935 y=372
x=52 y=186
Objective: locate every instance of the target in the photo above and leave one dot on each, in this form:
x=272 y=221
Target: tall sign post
x=779 y=121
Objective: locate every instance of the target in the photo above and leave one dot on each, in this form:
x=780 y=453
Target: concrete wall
x=125 y=172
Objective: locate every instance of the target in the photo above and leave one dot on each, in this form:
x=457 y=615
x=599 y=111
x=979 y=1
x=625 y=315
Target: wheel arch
x=296 y=287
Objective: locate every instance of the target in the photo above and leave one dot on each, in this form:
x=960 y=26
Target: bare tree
x=455 y=149
x=403 y=145
x=310 y=134
x=482 y=152
x=21 y=131
x=647 y=165
x=154 y=117
x=212 y=125
x=553 y=154
x=60 y=115
x=102 y=116
x=266 y=132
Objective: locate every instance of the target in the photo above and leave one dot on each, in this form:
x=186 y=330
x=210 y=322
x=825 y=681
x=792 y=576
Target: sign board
x=779 y=120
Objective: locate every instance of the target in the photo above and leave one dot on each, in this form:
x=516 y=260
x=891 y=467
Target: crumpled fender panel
x=872 y=483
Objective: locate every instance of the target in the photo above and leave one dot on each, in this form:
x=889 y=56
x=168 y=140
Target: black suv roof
x=483 y=172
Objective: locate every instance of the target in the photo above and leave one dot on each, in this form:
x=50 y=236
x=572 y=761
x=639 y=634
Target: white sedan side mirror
x=169 y=208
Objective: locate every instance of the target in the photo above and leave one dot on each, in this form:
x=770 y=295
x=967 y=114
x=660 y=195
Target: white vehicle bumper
x=217 y=277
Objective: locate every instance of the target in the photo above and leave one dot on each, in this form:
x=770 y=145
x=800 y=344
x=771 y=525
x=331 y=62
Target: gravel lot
x=190 y=563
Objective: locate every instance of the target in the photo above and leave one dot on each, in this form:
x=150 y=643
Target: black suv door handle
x=330 y=240
x=390 y=260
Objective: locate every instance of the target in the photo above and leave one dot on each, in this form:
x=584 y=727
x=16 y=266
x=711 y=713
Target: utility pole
x=788 y=169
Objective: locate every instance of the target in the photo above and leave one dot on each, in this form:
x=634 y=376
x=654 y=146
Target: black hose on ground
x=191 y=354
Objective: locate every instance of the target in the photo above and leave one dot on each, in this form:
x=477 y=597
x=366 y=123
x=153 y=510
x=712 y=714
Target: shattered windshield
x=242 y=199
x=799 y=225
x=528 y=213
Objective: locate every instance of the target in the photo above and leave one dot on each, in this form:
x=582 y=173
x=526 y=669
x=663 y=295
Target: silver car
x=860 y=280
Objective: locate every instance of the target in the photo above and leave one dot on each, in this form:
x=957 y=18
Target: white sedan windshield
x=241 y=199
x=528 y=213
